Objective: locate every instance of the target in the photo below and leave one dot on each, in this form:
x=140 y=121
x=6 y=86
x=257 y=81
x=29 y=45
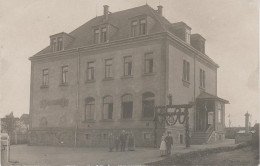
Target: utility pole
x=229 y=122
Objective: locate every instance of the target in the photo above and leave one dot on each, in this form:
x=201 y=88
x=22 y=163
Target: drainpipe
x=77 y=101
x=194 y=93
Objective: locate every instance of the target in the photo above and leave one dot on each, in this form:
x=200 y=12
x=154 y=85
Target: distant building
x=107 y=75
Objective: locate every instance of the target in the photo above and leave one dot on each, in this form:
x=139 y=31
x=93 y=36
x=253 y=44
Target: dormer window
x=103 y=35
x=96 y=36
x=142 y=26
x=134 y=28
x=60 y=44
x=187 y=36
x=53 y=44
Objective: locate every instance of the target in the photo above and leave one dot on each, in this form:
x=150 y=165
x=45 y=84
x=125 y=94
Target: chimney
x=160 y=9
x=247 y=122
x=106 y=11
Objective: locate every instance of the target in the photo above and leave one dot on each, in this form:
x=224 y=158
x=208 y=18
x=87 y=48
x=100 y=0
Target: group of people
x=166 y=145
x=123 y=139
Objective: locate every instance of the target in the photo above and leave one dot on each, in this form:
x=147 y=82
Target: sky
x=230 y=27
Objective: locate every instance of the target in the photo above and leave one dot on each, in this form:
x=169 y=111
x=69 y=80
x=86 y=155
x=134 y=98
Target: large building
x=107 y=75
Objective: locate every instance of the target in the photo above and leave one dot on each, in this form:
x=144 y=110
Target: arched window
x=148 y=104
x=43 y=122
x=89 y=108
x=127 y=106
x=108 y=107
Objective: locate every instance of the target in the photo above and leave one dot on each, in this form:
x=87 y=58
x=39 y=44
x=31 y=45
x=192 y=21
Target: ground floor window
x=127 y=106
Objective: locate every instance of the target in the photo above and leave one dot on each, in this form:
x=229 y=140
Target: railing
x=209 y=132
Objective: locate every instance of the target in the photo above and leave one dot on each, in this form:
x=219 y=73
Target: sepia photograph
x=129 y=83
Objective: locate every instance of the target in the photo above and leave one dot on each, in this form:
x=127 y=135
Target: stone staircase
x=201 y=137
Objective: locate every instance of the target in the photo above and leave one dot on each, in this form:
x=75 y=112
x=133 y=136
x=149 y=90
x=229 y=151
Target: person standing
x=117 y=142
x=131 y=142
x=163 y=150
x=123 y=140
x=169 y=143
x=111 y=142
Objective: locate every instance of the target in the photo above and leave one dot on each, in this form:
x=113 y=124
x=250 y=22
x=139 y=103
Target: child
x=163 y=150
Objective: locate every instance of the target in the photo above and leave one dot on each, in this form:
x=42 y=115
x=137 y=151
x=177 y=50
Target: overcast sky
x=230 y=28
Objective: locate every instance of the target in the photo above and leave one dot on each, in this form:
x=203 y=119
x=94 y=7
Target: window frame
x=103 y=35
x=108 y=68
x=59 y=43
x=186 y=71
x=89 y=102
x=64 y=74
x=90 y=72
x=125 y=106
x=109 y=104
x=128 y=66
x=134 y=28
x=143 y=29
x=202 y=78
x=54 y=44
x=148 y=61
x=45 y=78
x=96 y=38
x=147 y=97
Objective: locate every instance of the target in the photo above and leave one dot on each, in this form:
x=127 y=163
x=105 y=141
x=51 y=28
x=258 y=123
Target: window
x=90 y=71
x=147 y=136
x=148 y=63
x=104 y=35
x=202 y=78
x=108 y=68
x=187 y=36
x=133 y=28
x=53 y=44
x=148 y=104
x=60 y=44
x=96 y=36
x=127 y=106
x=108 y=107
x=89 y=108
x=186 y=71
x=142 y=26
x=127 y=66
x=64 y=74
x=219 y=113
x=45 y=79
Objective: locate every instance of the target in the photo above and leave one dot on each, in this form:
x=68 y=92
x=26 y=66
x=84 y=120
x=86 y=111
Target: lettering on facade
x=63 y=102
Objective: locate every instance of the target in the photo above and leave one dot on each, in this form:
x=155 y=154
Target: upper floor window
x=104 y=35
x=127 y=66
x=96 y=36
x=108 y=68
x=127 y=106
x=45 y=79
x=148 y=62
x=202 y=78
x=53 y=44
x=143 y=26
x=148 y=104
x=133 y=28
x=60 y=44
x=89 y=108
x=186 y=71
x=108 y=107
x=90 y=71
x=64 y=74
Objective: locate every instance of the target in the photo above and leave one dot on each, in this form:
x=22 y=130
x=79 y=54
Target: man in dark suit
x=169 y=143
x=123 y=140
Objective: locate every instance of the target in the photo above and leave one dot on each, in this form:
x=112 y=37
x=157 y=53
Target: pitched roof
x=205 y=95
x=83 y=35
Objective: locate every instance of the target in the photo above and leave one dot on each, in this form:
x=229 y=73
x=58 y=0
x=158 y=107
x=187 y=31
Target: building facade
x=108 y=74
